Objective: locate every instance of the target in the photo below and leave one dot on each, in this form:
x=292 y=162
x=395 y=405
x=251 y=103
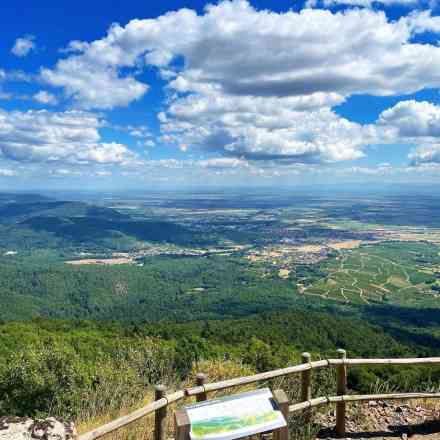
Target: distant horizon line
x=315 y=187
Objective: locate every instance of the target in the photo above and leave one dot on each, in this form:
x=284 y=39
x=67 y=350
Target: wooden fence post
x=282 y=400
x=182 y=425
x=200 y=381
x=306 y=384
x=160 y=417
x=341 y=388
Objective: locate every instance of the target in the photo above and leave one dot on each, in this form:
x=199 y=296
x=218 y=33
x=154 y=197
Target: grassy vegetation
x=73 y=368
x=170 y=317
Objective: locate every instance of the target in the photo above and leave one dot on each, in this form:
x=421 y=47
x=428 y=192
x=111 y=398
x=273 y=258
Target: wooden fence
x=202 y=389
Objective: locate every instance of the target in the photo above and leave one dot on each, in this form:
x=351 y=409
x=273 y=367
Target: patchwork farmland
x=404 y=273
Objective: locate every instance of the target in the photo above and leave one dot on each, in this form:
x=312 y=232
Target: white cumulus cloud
x=264 y=128
x=92 y=85
x=256 y=84
x=69 y=137
x=364 y=3
x=425 y=154
x=243 y=51
x=44 y=97
x=6 y=172
x=413 y=119
x=23 y=45
x=416 y=123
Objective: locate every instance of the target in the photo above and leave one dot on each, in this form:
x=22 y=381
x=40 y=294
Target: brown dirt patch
x=103 y=261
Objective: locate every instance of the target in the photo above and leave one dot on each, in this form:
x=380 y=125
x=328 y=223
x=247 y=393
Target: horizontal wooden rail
x=318 y=401
x=403 y=361
x=392 y=396
x=174 y=397
x=132 y=417
x=124 y=420
x=201 y=389
x=230 y=383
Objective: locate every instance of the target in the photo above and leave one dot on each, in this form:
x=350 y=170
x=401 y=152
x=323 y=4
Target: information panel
x=235 y=416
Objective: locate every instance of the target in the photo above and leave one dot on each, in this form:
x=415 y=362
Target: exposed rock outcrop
x=385 y=420
x=23 y=428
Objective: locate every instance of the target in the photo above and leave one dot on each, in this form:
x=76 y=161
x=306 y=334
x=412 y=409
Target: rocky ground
x=24 y=428
x=385 y=420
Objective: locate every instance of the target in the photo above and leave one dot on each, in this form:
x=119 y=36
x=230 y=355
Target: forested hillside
x=67 y=225
x=163 y=288
x=88 y=291
x=48 y=366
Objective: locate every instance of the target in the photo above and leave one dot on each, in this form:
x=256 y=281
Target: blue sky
x=173 y=94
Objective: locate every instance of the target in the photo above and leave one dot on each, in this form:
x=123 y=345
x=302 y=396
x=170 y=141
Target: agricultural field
x=403 y=273
x=184 y=257
x=95 y=285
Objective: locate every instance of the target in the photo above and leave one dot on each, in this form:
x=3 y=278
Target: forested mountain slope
x=48 y=366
